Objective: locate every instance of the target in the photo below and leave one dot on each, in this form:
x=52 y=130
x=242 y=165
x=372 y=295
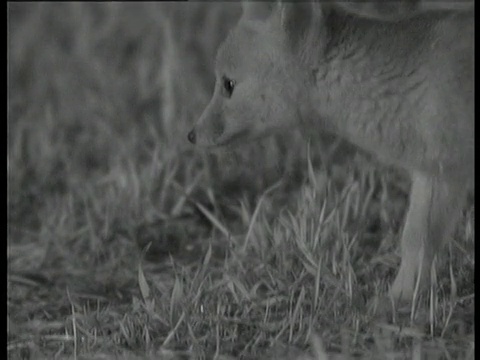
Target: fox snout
x=210 y=133
x=206 y=128
x=209 y=130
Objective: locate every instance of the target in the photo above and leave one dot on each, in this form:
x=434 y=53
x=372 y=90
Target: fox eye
x=228 y=86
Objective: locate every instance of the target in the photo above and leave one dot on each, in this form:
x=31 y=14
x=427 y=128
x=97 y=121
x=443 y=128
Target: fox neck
x=360 y=84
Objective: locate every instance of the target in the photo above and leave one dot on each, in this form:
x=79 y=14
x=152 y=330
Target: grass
x=126 y=242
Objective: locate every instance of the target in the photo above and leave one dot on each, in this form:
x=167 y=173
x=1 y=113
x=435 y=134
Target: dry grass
x=125 y=242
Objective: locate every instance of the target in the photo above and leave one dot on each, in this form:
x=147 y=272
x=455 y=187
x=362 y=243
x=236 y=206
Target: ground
x=127 y=242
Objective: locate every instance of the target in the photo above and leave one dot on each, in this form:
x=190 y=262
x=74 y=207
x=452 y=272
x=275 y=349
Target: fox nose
x=191 y=136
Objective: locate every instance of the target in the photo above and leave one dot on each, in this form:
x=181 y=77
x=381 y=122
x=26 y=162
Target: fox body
x=401 y=89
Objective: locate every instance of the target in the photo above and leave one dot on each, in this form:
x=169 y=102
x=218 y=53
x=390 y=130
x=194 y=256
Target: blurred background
x=101 y=97
x=95 y=85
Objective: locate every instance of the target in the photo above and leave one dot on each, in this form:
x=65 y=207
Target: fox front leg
x=435 y=206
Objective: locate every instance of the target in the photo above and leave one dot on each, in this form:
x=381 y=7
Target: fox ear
x=300 y=20
x=256 y=10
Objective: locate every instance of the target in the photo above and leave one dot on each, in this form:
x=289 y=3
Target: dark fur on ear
x=301 y=22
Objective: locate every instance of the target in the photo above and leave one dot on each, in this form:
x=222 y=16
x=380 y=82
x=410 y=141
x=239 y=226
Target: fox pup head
x=260 y=75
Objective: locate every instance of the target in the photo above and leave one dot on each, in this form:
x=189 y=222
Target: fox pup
x=400 y=88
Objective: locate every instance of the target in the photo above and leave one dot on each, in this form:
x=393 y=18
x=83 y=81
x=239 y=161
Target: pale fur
x=401 y=89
